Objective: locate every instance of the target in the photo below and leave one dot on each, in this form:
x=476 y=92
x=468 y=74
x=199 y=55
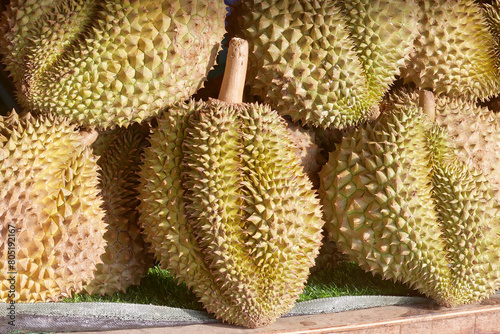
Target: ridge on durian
x=112 y=62
x=398 y=201
x=326 y=63
x=126 y=258
x=226 y=206
x=51 y=208
x=474 y=130
x=454 y=51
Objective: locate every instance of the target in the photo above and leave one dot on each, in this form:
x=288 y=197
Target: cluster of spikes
x=113 y=166
x=239 y=219
x=329 y=63
x=398 y=200
x=102 y=63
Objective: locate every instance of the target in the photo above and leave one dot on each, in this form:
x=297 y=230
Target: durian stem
x=233 y=82
x=427 y=102
x=88 y=136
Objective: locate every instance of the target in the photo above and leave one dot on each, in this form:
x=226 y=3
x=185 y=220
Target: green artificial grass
x=158 y=287
x=348 y=279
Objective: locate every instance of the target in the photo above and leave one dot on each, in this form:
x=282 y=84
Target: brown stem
x=88 y=136
x=427 y=102
x=233 y=82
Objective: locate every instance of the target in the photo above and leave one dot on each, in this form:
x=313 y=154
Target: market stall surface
x=422 y=318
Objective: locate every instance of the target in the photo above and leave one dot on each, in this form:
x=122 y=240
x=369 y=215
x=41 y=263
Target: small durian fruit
x=226 y=205
x=473 y=129
x=113 y=62
x=399 y=202
x=126 y=259
x=51 y=218
x=324 y=62
x=454 y=51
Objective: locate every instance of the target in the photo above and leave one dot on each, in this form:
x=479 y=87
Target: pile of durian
x=367 y=120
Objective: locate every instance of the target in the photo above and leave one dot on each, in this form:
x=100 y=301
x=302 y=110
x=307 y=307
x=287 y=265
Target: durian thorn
x=89 y=136
x=427 y=102
x=20 y=112
x=233 y=82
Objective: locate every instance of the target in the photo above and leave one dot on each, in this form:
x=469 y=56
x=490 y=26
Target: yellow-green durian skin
x=397 y=201
x=474 y=130
x=468 y=212
x=228 y=210
x=126 y=259
x=49 y=194
x=454 y=52
x=492 y=14
x=15 y=36
x=383 y=32
x=112 y=62
x=325 y=63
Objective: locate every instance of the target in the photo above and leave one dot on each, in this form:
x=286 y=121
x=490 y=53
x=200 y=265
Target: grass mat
x=158 y=287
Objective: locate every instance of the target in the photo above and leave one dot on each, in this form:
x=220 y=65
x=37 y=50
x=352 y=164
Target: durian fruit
x=473 y=129
x=454 y=52
x=15 y=36
x=104 y=140
x=306 y=149
x=324 y=62
x=126 y=259
x=383 y=32
x=398 y=201
x=226 y=205
x=110 y=62
x=329 y=256
x=491 y=12
x=51 y=218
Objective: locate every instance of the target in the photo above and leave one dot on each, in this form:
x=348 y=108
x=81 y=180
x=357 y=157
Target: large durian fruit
x=227 y=207
x=126 y=259
x=50 y=209
x=454 y=51
x=474 y=130
x=399 y=202
x=111 y=62
x=325 y=62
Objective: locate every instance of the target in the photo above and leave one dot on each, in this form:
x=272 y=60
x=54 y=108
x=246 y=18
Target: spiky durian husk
x=383 y=32
x=474 y=130
x=306 y=150
x=491 y=12
x=19 y=21
x=454 y=52
x=397 y=200
x=113 y=62
x=49 y=194
x=324 y=62
x=468 y=213
x=228 y=210
x=126 y=258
